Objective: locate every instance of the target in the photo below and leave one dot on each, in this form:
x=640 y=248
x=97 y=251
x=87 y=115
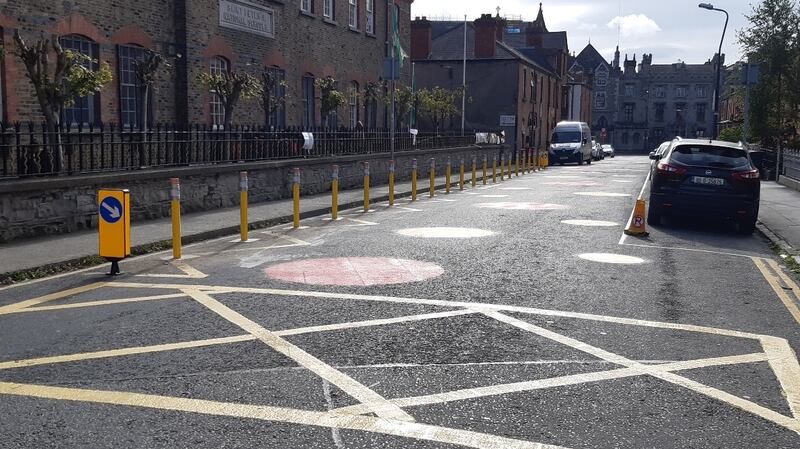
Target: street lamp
x=710 y=7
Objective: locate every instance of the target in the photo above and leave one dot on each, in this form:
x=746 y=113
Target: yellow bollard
x=432 y=191
x=509 y=165
x=516 y=165
x=175 y=196
x=485 y=163
x=461 y=175
x=447 y=172
x=414 y=180
x=494 y=169
x=527 y=165
x=391 y=183
x=474 y=171
x=335 y=193
x=502 y=167
x=243 y=223
x=366 y=186
x=296 y=198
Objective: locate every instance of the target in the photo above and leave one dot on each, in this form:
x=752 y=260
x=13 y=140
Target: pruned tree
x=405 y=102
x=230 y=88
x=330 y=98
x=146 y=71
x=267 y=89
x=438 y=104
x=59 y=77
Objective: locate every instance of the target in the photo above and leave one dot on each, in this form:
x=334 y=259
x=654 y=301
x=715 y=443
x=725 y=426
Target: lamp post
x=710 y=7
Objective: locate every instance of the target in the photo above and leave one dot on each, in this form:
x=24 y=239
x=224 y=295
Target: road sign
x=114 y=223
x=508 y=120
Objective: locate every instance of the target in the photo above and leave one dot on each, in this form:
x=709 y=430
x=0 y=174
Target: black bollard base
x=114 y=269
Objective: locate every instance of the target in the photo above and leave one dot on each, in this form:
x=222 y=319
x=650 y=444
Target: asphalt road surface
x=511 y=315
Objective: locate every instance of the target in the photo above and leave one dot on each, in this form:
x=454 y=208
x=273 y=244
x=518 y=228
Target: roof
x=537 y=55
x=554 y=39
x=718 y=143
x=589 y=58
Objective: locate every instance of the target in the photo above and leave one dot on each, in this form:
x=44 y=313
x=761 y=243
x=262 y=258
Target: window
x=681 y=91
x=600 y=100
x=628 y=112
x=353 y=13
x=660 y=112
x=371 y=113
x=277 y=117
x=354 y=104
x=328 y=9
x=625 y=138
x=630 y=90
x=701 y=112
x=601 y=77
x=370 y=16
x=308 y=102
x=83 y=110
x=306 y=6
x=701 y=91
x=524 y=83
x=637 y=138
x=332 y=119
x=660 y=92
x=130 y=94
x=217 y=67
x=710 y=156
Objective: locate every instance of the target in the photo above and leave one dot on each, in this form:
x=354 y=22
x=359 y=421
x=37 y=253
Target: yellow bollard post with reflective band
x=243 y=222
x=175 y=197
x=447 y=173
x=366 y=186
x=474 y=171
x=516 y=164
x=485 y=164
x=414 y=180
x=114 y=226
x=432 y=191
x=335 y=193
x=510 y=157
x=296 y=198
x=494 y=169
x=391 y=183
x=502 y=167
x=461 y=175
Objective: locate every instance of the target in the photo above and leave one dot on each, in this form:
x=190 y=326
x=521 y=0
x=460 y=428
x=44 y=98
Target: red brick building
x=299 y=40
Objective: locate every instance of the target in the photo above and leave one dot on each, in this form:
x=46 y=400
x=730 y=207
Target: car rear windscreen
x=710 y=156
x=566 y=137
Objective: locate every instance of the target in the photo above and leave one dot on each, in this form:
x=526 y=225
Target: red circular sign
x=354 y=271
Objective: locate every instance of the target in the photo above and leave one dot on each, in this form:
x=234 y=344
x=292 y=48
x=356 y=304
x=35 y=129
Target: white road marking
x=189 y=272
x=678 y=248
x=335 y=434
x=239 y=240
x=494 y=196
x=591 y=223
x=612 y=258
x=444 y=233
x=607 y=194
x=105 y=302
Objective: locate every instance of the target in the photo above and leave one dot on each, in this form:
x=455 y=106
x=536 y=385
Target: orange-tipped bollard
x=636 y=224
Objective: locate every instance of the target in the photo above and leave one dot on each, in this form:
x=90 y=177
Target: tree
x=731 y=134
x=405 y=101
x=146 y=70
x=772 y=41
x=230 y=88
x=330 y=97
x=267 y=88
x=438 y=104
x=58 y=85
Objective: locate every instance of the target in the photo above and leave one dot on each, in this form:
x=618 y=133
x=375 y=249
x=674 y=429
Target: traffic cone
x=636 y=225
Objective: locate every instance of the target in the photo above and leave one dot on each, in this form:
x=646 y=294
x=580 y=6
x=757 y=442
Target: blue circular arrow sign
x=111 y=210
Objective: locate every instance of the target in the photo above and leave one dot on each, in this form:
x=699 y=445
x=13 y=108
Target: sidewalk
x=73 y=248
x=780 y=214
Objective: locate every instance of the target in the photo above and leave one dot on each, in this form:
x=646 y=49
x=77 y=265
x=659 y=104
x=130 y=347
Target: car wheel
x=580 y=160
x=589 y=161
x=653 y=218
x=747 y=226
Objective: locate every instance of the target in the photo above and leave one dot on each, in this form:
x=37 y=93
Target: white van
x=571 y=142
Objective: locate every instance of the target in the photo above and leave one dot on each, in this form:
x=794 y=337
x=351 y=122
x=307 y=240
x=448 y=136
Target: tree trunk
x=53 y=150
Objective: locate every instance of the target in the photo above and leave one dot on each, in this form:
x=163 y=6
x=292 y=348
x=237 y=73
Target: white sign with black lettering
x=245 y=16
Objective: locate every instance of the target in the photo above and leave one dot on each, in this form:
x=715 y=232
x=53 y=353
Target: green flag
x=399 y=53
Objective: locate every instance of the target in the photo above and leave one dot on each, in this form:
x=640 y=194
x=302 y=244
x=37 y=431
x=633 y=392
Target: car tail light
x=671 y=170
x=747 y=175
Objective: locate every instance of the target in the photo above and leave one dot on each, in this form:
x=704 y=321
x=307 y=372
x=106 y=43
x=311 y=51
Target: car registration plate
x=708 y=181
x=564 y=157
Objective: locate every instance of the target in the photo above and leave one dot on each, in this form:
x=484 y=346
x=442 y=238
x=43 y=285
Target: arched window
x=637 y=138
x=85 y=109
x=131 y=95
x=625 y=138
x=217 y=67
x=277 y=114
x=354 y=118
x=309 y=120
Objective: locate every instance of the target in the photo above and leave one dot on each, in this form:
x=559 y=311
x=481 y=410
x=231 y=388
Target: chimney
x=420 y=38
x=485 y=36
x=630 y=65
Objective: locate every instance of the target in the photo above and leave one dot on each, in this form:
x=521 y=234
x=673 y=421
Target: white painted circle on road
x=517 y=188
x=593 y=223
x=522 y=206
x=494 y=196
x=445 y=233
x=620 y=180
x=601 y=194
x=611 y=258
x=562 y=177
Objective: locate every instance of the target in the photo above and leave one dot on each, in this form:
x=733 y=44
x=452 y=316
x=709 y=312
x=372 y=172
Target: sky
x=671 y=30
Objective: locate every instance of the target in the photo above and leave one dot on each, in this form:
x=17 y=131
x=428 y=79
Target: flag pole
x=464 y=78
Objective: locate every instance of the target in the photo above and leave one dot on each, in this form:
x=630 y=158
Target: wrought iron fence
x=32 y=150
x=791 y=163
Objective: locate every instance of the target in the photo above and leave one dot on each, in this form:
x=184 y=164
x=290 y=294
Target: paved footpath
x=780 y=213
x=513 y=315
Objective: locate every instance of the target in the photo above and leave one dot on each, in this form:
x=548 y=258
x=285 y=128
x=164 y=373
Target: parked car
x=660 y=153
x=608 y=150
x=707 y=178
x=600 y=151
x=597 y=151
x=571 y=142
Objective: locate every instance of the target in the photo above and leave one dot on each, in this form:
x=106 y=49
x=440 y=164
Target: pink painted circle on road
x=354 y=271
x=521 y=206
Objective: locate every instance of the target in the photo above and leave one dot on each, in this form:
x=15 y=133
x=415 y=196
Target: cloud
x=634 y=25
x=587 y=26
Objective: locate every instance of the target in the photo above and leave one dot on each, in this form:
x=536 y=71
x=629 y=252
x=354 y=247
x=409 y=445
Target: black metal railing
x=32 y=150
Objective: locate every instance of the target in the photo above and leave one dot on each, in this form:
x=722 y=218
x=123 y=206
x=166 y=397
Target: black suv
x=708 y=178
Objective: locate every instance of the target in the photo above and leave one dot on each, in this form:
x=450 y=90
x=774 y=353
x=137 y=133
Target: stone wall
x=33 y=208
